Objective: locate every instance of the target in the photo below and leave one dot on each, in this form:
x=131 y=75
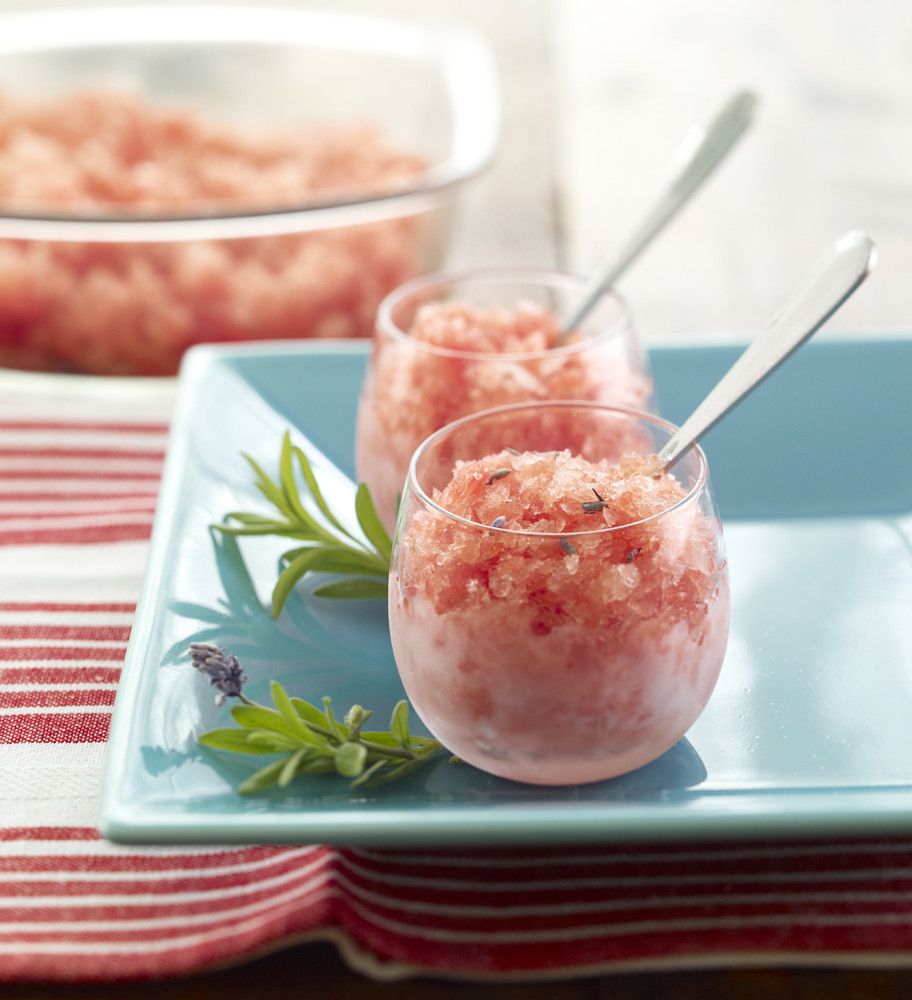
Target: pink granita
x=436 y=361
x=557 y=620
x=134 y=308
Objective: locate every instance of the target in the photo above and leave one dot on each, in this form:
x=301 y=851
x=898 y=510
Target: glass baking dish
x=124 y=289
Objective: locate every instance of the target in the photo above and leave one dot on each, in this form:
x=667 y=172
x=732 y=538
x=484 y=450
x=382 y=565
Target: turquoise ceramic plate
x=808 y=732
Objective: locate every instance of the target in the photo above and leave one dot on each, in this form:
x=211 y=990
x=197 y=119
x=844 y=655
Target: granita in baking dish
x=558 y=615
x=134 y=308
x=446 y=346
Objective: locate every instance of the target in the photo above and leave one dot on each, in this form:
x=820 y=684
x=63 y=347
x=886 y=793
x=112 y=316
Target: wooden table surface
x=315 y=972
x=598 y=94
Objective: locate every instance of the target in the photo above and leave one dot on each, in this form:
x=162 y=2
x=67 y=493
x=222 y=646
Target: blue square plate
x=807 y=733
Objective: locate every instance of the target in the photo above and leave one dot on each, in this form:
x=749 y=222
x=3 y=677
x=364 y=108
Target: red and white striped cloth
x=79 y=467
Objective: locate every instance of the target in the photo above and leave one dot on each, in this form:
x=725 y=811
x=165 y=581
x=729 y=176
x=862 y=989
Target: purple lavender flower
x=222 y=668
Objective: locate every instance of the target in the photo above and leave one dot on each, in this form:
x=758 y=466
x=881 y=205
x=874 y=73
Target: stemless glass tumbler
x=559 y=613
x=448 y=345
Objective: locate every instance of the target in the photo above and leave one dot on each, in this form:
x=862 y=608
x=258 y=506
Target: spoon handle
x=823 y=290
x=703 y=148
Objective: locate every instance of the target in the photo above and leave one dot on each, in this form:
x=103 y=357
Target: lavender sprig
x=362 y=563
x=304 y=739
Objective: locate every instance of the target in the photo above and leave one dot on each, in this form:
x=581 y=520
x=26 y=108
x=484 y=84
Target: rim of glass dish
x=699 y=487
x=502 y=275
x=461 y=53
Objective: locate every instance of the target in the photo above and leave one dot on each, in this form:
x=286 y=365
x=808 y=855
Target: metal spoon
x=702 y=150
x=823 y=290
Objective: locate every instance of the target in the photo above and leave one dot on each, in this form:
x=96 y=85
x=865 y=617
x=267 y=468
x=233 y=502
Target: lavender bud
x=594 y=506
x=222 y=668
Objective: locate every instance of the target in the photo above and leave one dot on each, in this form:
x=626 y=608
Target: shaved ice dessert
x=451 y=345
x=134 y=308
x=558 y=615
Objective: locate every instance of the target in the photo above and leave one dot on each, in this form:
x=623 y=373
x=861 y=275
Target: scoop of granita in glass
x=448 y=345
x=559 y=611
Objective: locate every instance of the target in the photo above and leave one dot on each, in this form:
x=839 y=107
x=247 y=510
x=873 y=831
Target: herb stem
x=379 y=748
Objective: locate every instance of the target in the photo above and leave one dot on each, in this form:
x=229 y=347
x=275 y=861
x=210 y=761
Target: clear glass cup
x=575 y=650
x=417 y=381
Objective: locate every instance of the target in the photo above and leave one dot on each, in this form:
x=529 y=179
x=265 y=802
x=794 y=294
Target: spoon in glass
x=702 y=150
x=834 y=277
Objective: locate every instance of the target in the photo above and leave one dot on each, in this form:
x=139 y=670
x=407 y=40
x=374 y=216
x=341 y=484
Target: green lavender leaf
x=270 y=490
x=288 y=713
x=259 y=717
x=262 y=779
x=353 y=589
x=290 y=489
x=255 y=520
x=317 y=493
x=324 y=559
x=288 y=580
x=273 y=742
x=281 y=528
x=318 y=765
x=351 y=759
x=339 y=559
x=310 y=713
x=399 y=724
x=390 y=774
x=290 y=769
x=234 y=740
x=364 y=778
x=381 y=739
x=370 y=522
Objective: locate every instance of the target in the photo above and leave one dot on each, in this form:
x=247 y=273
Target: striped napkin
x=80 y=464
